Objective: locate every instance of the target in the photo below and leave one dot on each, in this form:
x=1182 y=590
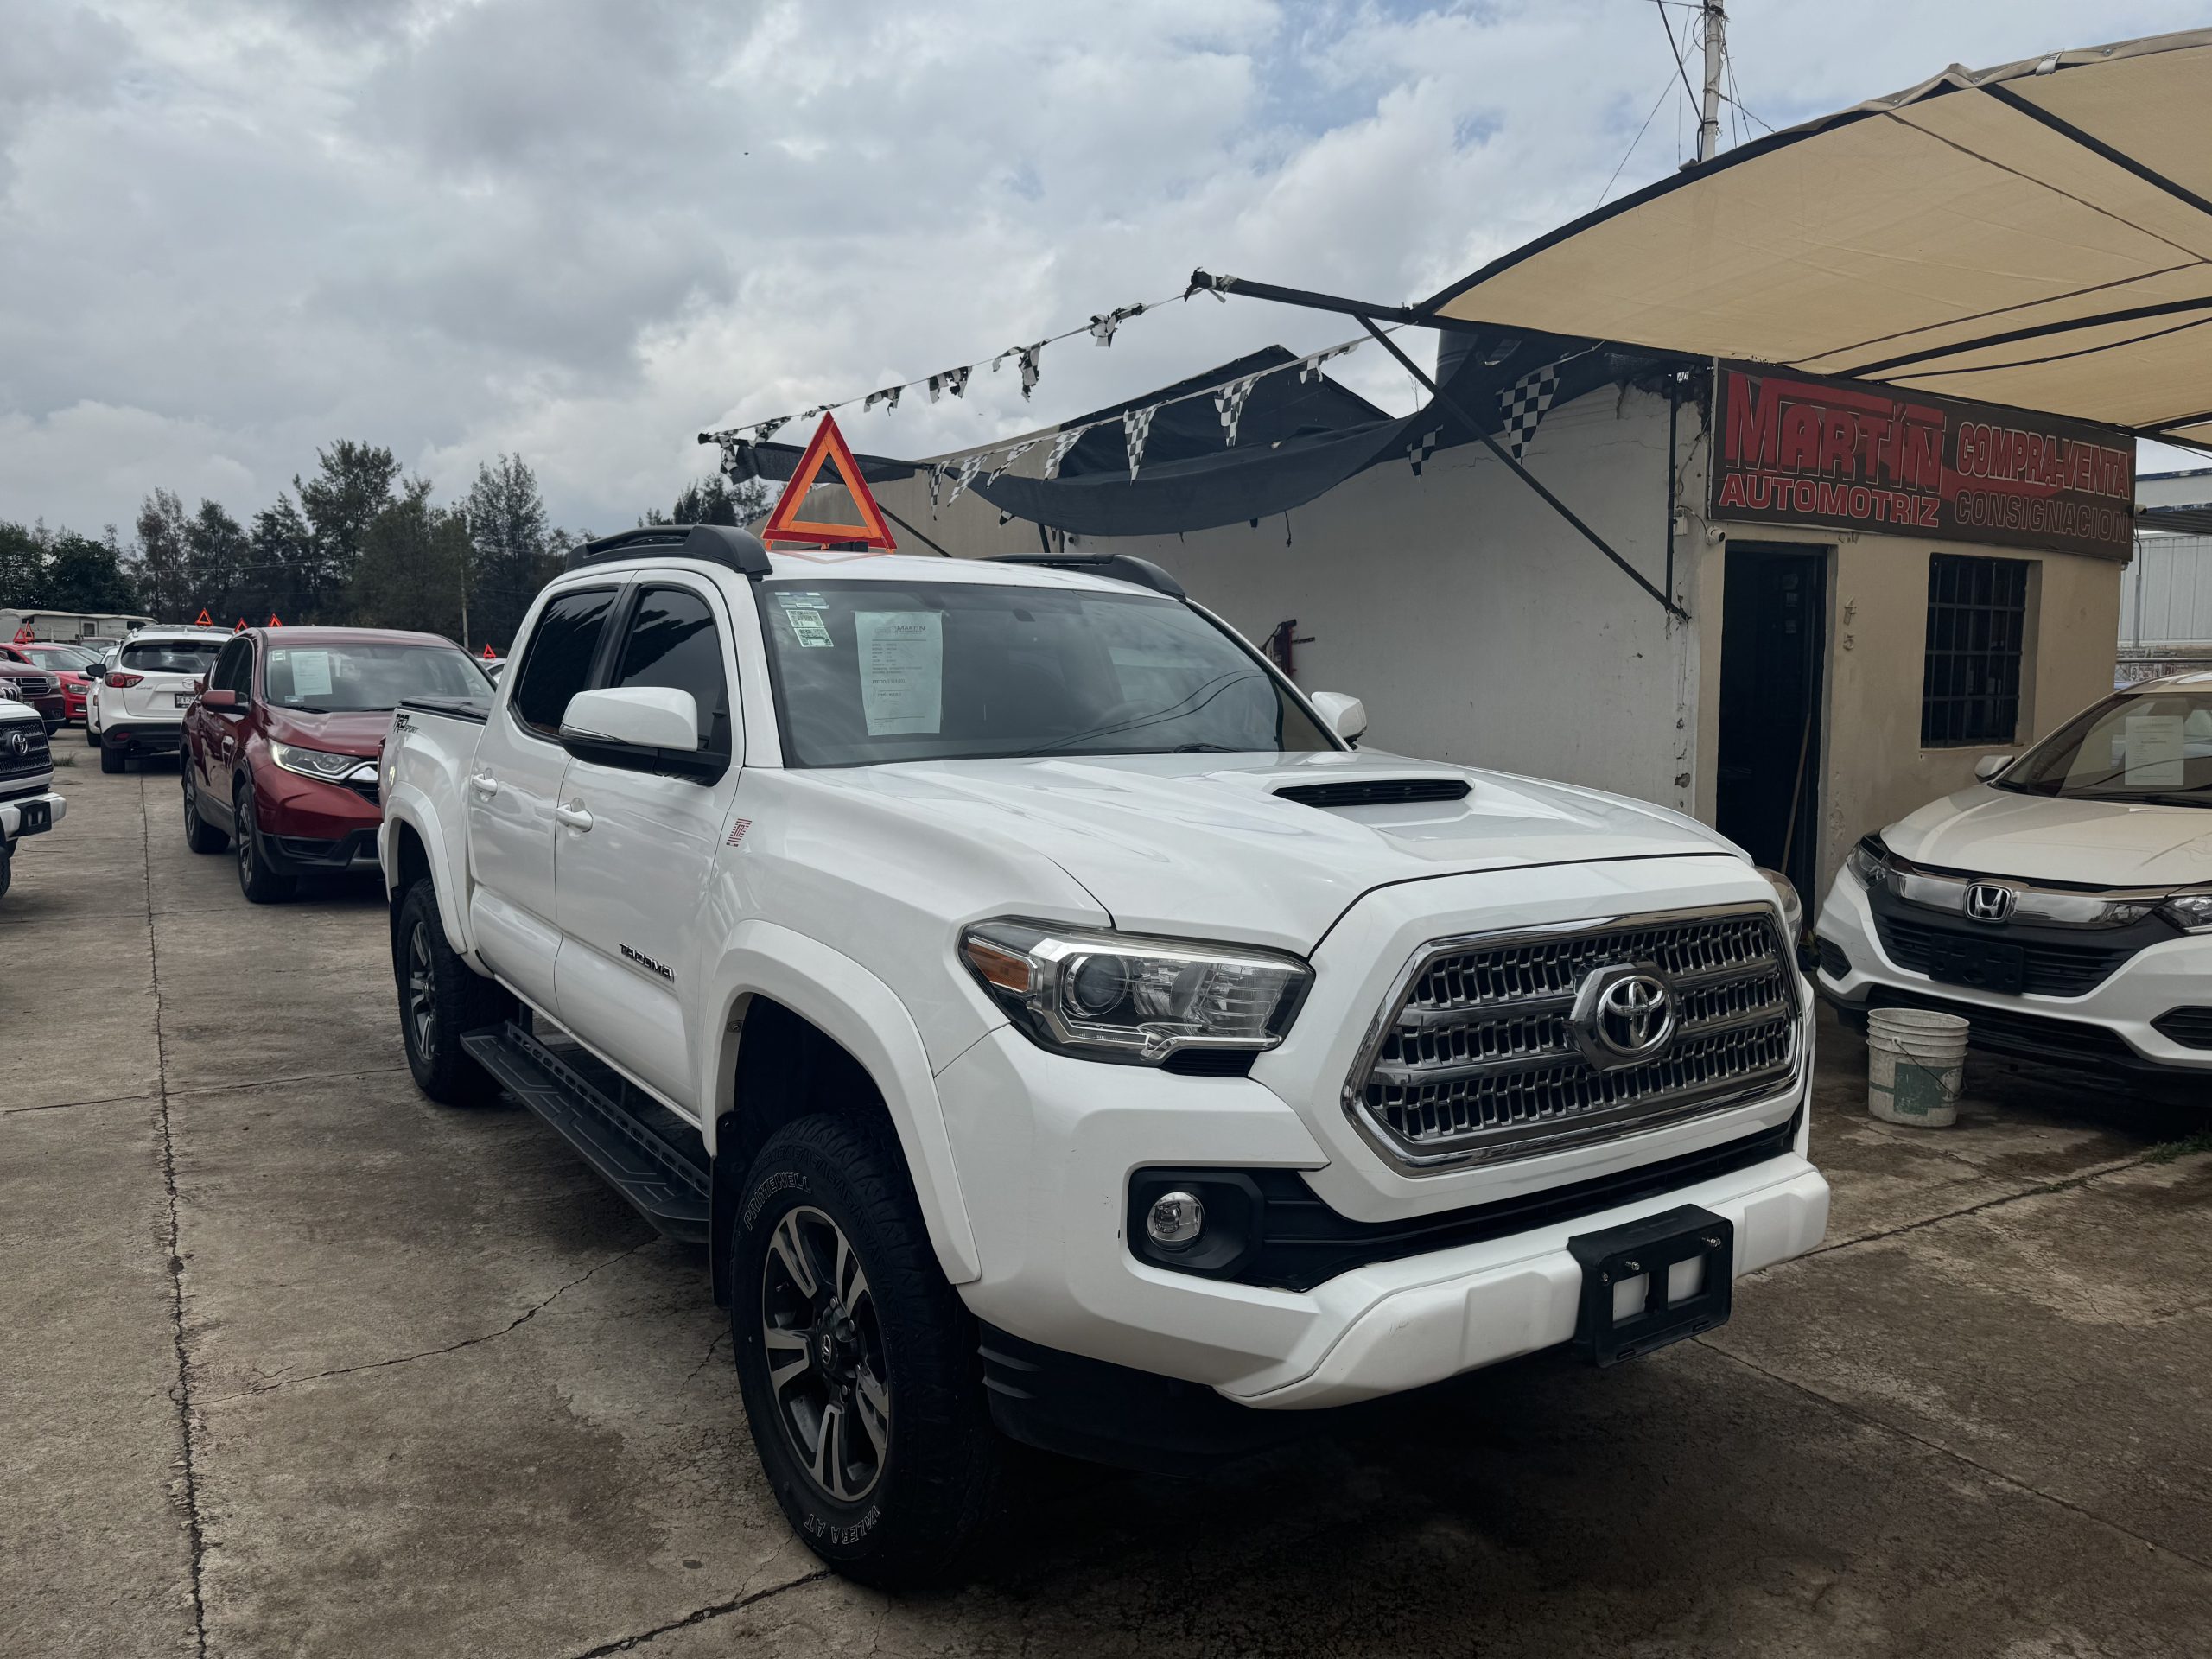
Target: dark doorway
x=1774 y=639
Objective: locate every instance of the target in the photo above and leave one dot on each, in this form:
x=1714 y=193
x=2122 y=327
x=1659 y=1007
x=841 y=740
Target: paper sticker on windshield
x=2154 y=751
x=310 y=673
x=900 y=655
x=803 y=616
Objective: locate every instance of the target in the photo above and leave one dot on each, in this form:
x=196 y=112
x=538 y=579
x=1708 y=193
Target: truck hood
x=1199 y=844
x=1985 y=831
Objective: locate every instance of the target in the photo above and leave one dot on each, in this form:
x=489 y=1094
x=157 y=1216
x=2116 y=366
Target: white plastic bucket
x=1914 y=1058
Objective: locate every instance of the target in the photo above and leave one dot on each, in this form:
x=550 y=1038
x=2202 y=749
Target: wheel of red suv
x=857 y=1361
x=260 y=883
x=439 y=998
x=112 y=758
x=199 y=835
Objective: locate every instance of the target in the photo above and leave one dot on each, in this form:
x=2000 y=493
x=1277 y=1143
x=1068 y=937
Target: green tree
x=84 y=574
x=512 y=550
x=408 y=572
x=23 y=567
x=216 y=556
x=351 y=485
x=161 y=558
x=710 y=501
x=286 y=575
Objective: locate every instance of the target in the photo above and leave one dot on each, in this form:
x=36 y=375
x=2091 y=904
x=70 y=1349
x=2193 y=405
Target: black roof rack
x=723 y=545
x=1122 y=567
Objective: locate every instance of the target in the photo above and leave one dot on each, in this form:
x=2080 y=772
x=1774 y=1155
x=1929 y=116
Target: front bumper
x=310 y=824
x=14 y=813
x=1047 y=1146
x=2110 y=1025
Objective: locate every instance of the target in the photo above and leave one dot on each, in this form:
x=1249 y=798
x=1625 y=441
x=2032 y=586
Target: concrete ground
x=298 y=1362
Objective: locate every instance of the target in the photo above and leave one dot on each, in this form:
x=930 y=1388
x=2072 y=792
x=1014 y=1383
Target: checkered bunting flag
x=1525 y=403
x=952 y=380
x=1136 y=427
x=1010 y=457
x=765 y=430
x=1309 y=366
x=1422 y=447
x=1061 y=445
x=1228 y=403
x=937 y=483
x=1025 y=358
x=963 y=476
x=888 y=397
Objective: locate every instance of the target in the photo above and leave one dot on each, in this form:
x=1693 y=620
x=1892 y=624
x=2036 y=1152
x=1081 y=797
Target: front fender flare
x=856 y=1009
x=411 y=806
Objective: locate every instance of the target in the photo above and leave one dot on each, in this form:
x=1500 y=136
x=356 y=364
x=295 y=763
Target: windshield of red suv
x=168 y=655
x=2153 y=747
x=866 y=673
x=64 y=659
x=365 y=676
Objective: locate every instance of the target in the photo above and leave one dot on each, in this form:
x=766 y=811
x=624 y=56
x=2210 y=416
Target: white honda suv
x=141 y=697
x=2063 y=904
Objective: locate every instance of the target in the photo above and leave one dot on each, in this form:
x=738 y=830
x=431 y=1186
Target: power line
x=1663 y=94
x=1680 y=68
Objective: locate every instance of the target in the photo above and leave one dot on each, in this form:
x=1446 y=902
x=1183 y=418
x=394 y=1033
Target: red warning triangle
x=205 y=620
x=241 y=626
x=274 y=622
x=489 y=655
x=784 y=523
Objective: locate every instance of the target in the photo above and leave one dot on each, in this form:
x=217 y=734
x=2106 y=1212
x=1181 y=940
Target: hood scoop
x=1377 y=792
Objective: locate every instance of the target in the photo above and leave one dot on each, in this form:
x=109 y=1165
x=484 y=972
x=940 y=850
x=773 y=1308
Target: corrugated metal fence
x=2165 y=594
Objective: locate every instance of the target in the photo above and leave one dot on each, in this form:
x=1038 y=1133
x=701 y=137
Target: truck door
x=636 y=850
x=512 y=785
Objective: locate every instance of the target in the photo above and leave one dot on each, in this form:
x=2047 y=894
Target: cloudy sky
x=582 y=230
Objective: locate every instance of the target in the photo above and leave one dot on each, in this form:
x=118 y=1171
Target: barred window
x=1977 y=622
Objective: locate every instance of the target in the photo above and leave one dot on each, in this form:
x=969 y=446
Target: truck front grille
x=1477 y=1057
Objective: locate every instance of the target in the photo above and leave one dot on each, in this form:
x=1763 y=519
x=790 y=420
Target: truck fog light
x=1175 y=1219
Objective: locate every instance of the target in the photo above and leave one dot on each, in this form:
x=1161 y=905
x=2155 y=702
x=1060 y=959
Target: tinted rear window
x=169 y=656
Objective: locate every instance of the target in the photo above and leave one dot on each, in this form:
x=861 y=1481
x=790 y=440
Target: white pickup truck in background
x=1053 y=1025
x=28 y=805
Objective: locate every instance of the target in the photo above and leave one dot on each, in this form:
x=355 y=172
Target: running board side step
x=667 y=1184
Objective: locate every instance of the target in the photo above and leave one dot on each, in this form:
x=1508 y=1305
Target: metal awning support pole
x=1526 y=477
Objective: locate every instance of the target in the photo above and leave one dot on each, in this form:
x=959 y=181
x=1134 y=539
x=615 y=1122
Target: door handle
x=574 y=815
x=484 y=784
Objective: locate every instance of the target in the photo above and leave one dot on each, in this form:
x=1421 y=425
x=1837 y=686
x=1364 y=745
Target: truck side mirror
x=639 y=728
x=1347 y=715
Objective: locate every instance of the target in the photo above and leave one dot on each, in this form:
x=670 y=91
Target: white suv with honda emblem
x=2063 y=904
x=1055 y=1025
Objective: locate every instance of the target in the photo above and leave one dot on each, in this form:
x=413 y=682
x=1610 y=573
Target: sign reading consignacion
x=1802 y=449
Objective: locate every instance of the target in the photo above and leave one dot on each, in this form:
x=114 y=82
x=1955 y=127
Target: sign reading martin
x=1803 y=449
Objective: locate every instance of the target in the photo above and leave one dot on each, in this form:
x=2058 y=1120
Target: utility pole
x=1716 y=51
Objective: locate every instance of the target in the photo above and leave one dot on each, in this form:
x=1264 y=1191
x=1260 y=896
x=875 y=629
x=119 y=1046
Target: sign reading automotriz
x=1802 y=449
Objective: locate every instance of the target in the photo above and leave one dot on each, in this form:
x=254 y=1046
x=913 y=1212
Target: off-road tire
x=7 y=869
x=111 y=758
x=939 y=1477
x=261 y=883
x=458 y=1000
x=199 y=835
x=92 y=737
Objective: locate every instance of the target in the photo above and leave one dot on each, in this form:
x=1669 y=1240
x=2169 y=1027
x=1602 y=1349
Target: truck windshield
x=2153 y=747
x=359 y=676
x=866 y=673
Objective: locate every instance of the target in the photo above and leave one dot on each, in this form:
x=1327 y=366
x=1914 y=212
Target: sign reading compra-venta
x=1802 y=449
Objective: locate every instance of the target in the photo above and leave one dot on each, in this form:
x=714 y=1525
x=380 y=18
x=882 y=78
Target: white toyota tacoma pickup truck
x=28 y=805
x=1054 y=1027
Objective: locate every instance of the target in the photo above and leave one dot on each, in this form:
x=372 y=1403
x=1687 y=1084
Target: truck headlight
x=1116 y=996
x=1793 y=909
x=316 y=763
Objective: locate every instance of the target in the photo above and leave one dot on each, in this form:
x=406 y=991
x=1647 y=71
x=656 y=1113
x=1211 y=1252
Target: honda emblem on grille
x=1988 y=901
x=1622 y=1014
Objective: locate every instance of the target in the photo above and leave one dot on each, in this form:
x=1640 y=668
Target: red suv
x=280 y=748
x=67 y=664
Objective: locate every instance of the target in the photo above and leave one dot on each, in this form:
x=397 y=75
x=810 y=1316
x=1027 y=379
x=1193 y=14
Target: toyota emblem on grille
x=1987 y=901
x=18 y=744
x=1623 y=1013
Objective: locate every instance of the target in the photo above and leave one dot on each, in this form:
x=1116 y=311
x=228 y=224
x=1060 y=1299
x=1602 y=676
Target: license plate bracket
x=1649 y=1249
x=1982 y=964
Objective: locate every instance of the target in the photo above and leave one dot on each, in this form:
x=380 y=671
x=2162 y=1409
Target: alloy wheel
x=243 y=826
x=824 y=1344
x=191 y=806
x=421 y=993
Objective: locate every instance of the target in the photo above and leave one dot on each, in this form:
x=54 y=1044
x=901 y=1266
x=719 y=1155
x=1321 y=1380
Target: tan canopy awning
x=2038 y=235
